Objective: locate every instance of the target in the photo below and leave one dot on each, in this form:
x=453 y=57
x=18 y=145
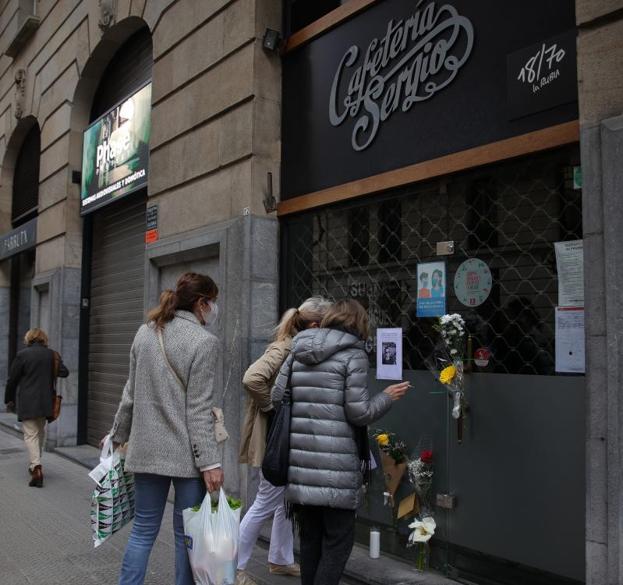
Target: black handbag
x=277 y=456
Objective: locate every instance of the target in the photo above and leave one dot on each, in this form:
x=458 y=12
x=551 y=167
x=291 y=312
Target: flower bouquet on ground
x=393 y=459
x=448 y=360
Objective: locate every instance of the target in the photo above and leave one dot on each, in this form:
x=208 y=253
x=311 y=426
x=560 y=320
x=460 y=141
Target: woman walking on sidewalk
x=327 y=373
x=170 y=428
x=269 y=501
x=32 y=385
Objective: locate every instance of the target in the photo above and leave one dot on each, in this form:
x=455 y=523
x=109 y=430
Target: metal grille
x=509 y=215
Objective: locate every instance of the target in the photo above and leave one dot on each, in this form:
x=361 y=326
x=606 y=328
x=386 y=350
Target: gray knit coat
x=170 y=430
x=329 y=381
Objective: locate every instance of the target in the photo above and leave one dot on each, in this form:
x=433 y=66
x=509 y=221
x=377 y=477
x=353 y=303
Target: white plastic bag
x=112 y=501
x=212 y=541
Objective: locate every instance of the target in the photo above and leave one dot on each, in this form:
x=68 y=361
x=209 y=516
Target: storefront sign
x=407 y=81
x=151 y=228
x=416 y=58
x=115 y=152
x=542 y=76
x=18 y=240
x=431 y=289
x=472 y=282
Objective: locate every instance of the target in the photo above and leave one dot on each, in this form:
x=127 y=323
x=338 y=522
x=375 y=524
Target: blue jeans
x=151 y=497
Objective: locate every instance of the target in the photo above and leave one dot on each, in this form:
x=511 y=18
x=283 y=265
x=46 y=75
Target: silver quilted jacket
x=329 y=381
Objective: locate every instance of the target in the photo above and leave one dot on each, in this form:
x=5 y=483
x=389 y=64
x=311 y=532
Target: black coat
x=31 y=381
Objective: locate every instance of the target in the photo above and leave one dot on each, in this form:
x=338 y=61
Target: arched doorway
x=24 y=208
x=114 y=227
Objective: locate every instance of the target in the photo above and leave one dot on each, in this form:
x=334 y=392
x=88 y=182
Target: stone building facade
x=600 y=62
x=215 y=129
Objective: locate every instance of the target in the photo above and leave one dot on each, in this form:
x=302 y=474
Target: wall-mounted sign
x=570 y=269
x=431 y=289
x=414 y=59
x=19 y=239
x=407 y=81
x=115 y=152
x=151 y=227
x=542 y=76
x=472 y=282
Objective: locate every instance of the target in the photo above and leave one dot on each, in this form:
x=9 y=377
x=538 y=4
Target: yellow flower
x=447 y=375
x=382 y=439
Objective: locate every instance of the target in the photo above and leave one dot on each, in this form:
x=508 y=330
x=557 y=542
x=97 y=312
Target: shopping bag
x=277 y=456
x=112 y=501
x=212 y=541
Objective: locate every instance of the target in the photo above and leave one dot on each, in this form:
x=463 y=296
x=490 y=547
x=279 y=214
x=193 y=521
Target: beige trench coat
x=258 y=382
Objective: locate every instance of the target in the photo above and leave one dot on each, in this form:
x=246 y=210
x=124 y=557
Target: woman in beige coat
x=269 y=502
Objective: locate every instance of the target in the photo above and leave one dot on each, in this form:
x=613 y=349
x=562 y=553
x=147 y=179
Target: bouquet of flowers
x=421 y=477
x=393 y=459
x=448 y=366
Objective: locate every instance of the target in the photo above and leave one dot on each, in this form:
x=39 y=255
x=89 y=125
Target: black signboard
x=19 y=239
x=542 y=76
x=408 y=81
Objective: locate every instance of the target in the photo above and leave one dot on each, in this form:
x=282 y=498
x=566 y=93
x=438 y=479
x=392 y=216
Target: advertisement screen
x=115 y=152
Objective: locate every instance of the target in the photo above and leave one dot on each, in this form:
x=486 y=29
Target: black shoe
x=36 y=479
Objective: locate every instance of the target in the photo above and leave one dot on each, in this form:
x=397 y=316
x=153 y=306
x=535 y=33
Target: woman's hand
x=397 y=391
x=114 y=445
x=213 y=479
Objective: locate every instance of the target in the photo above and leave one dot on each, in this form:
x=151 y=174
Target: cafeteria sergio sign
x=415 y=59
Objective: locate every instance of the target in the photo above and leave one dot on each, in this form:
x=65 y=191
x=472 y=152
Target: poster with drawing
x=431 y=289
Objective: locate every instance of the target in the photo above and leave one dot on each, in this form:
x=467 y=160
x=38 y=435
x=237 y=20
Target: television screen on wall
x=115 y=152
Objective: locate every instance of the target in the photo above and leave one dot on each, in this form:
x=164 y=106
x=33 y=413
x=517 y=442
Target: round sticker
x=472 y=282
x=482 y=357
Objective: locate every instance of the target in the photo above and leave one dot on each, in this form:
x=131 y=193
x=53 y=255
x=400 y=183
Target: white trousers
x=268 y=502
x=34 y=437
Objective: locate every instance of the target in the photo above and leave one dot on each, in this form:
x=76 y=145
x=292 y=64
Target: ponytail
x=165 y=311
x=289 y=325
x=190 y=288
x=311 y=311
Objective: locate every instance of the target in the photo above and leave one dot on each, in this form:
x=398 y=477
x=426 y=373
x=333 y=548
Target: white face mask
x=210 y=317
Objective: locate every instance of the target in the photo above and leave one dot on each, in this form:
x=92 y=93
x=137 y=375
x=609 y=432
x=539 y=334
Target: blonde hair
x=36 y=335
x=295 y=320
x=350 y=315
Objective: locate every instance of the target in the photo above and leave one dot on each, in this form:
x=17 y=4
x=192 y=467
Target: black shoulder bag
x=277 y=457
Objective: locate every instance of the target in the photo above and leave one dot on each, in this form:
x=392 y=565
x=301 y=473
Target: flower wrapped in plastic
x=421 y=477
x=447 y=363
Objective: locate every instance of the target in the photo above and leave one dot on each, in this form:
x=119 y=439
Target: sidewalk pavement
x=46 y=534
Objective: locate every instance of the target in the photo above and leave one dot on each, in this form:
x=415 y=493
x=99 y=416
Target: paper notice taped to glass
x=570 y=266
x=389 y=354
x=570 y=346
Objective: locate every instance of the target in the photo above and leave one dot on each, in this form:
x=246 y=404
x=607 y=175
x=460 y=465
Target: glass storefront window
x=523 y=433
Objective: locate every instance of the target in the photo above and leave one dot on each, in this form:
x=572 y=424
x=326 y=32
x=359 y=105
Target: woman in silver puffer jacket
x=327 y=371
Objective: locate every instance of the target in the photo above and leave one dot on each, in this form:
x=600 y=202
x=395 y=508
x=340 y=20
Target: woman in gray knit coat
x=169 y=428
x=327 y=372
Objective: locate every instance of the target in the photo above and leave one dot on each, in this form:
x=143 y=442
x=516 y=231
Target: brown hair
x=190 y=288
x=350 y=315
x=36 y=335
x=295 y=320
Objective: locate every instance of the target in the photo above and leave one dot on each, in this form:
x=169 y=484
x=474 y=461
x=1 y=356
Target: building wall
x=600 y=63
x=215 y=135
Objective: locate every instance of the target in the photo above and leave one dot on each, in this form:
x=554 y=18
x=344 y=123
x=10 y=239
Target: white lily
x=423 y=530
